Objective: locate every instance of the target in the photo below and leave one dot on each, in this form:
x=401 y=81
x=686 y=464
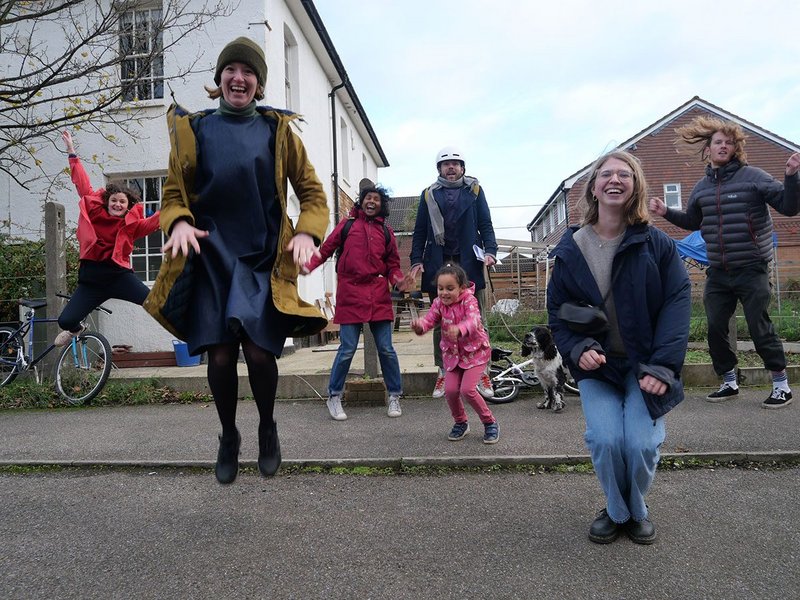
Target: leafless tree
x=86 y=65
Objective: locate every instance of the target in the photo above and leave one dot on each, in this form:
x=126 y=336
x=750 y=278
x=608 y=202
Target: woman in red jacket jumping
x=110 y=220
x=366 y=268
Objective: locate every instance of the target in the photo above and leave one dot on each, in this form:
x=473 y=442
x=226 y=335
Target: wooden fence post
x=55 y=271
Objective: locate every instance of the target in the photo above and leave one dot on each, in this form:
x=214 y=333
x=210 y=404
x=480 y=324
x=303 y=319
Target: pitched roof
x=696 y=102
x=402 y=213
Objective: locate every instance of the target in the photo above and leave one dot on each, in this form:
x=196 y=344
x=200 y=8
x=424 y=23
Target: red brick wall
x=662 y=164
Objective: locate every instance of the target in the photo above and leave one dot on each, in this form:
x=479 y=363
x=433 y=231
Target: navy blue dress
x=237 y=205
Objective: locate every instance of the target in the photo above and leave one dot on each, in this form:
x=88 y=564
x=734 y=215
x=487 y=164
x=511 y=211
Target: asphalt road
x=724 y=533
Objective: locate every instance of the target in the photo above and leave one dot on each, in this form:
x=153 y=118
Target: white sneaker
x=335 y=408
x=438 y=389
x=394 y=406
x=485 y=388
x=65 y=337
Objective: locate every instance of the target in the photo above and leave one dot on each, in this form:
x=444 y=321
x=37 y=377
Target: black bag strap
x=346 y=230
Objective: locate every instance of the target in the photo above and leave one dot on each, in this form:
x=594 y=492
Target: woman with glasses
x=628 y=372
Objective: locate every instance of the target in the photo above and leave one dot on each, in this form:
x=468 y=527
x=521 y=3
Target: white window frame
x=137 y=43
x=344 y=150
x=291 y=70
x=672 y=195
x=146 y=256
x=562 y=209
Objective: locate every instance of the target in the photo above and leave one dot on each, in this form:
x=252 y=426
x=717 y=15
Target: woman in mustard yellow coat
x=229 y=277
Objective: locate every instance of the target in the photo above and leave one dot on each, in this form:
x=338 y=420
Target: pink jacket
x=472 y=349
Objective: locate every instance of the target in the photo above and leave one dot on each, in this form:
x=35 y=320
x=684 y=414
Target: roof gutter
x=319 y=27
x=335 y=174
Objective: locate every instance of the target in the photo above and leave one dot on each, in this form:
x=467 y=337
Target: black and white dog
x=539 y=345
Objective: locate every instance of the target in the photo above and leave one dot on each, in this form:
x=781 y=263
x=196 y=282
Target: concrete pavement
x=185 y=435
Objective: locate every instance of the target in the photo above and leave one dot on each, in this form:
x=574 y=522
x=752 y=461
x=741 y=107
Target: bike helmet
x=449 y=153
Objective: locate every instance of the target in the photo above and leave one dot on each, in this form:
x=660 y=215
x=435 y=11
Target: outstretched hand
x=451 y=333
x=416 y=327
x=657 y=206
x=182 y=236
x=405 y=284
x=793 y=164
x=67 y=137
x=303 y=248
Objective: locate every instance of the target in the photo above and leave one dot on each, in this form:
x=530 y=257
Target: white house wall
x=148 y=156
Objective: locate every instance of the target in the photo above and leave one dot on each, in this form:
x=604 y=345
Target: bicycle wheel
x=504 y=390
x=571 y=386
x=83 y=368
x=11 y=350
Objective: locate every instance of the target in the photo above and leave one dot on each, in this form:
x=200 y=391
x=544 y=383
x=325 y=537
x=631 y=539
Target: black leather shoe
x=603 y=529
x=641 y=532
x=228 y=458
x=269 y=449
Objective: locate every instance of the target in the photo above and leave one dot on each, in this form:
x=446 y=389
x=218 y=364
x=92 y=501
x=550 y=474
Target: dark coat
x=474 y=228
x=651 y=295
x=365 y=270
x=730 y=207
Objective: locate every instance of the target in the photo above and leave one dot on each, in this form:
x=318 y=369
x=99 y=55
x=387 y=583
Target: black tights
x=223 y=379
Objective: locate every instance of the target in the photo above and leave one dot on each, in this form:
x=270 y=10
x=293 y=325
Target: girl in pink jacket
x=465 y=349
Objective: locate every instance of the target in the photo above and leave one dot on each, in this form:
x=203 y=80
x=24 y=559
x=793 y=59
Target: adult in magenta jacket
x=110 y=220
x=368 y=265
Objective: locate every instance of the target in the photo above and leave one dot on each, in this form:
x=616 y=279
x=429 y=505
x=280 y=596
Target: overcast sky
x=532 y=91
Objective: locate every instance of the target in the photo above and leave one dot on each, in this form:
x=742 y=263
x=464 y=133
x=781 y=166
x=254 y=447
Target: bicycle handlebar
x=101 y=307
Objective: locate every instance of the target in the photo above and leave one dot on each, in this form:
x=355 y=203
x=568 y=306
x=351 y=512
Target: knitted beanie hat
x=246 y=51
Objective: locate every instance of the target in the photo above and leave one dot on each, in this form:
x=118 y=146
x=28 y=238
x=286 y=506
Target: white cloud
x=534 y=91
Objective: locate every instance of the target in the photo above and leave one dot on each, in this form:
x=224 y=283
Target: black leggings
x=223 y=379
x=98 y=282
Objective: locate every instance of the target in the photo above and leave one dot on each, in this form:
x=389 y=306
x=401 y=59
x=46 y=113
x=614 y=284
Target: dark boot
x=269 y=449
x=228 y=458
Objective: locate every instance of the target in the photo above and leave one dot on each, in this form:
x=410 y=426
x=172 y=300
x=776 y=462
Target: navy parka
x=474 y=228
x=651 y=295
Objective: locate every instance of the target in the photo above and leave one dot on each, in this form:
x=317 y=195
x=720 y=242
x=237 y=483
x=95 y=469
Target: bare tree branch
x=86 y=64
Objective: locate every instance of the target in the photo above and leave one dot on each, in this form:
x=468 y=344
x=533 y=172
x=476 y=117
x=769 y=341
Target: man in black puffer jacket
x=730 y=207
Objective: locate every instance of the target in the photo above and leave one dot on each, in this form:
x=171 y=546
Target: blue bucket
x=182 y=357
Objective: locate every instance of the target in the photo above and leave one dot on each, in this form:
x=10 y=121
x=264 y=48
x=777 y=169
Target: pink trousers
x=460 y=383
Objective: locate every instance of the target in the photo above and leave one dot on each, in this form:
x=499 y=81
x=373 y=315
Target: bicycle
x=83 y=366
x=508 y=377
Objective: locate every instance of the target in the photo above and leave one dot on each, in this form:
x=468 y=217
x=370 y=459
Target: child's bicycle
x=509 y=377
x=83 y=365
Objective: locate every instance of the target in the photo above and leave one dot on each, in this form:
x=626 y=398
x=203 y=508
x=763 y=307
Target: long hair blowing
x=699 y=132
x=635 y=210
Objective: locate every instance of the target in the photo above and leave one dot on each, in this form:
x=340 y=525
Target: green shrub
x=22 y=272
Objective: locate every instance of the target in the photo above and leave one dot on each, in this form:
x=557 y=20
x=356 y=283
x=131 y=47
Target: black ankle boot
x=269 y=449
x=228 y=458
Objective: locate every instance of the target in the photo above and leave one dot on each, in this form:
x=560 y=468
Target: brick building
x=672 y=176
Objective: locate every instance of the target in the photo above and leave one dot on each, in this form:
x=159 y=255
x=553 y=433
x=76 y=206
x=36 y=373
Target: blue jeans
x=348 y=341
x=624 y=443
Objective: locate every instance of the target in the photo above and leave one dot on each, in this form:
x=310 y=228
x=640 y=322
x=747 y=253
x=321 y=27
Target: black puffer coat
x=730 y=207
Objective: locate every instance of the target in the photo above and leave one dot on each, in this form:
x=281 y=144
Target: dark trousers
x=750 y=286
x=98 y=282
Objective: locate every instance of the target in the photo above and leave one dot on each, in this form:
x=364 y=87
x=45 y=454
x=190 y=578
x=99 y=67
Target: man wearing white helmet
x=453 y=216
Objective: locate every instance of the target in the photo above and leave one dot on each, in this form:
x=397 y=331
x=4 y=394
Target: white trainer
x=335 y=408
x=394 y=406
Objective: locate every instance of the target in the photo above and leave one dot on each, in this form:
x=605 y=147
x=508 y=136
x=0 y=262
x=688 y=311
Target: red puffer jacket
x=366 y=269
x=97 y=229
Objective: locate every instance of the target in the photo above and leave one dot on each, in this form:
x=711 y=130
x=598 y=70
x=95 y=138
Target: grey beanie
x=246 y=51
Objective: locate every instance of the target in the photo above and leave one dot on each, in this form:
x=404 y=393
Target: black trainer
x=603 y=530
x=778 y=399
x=725 y=392
x=641 y=532
x=228 y=458
x=269 y=449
